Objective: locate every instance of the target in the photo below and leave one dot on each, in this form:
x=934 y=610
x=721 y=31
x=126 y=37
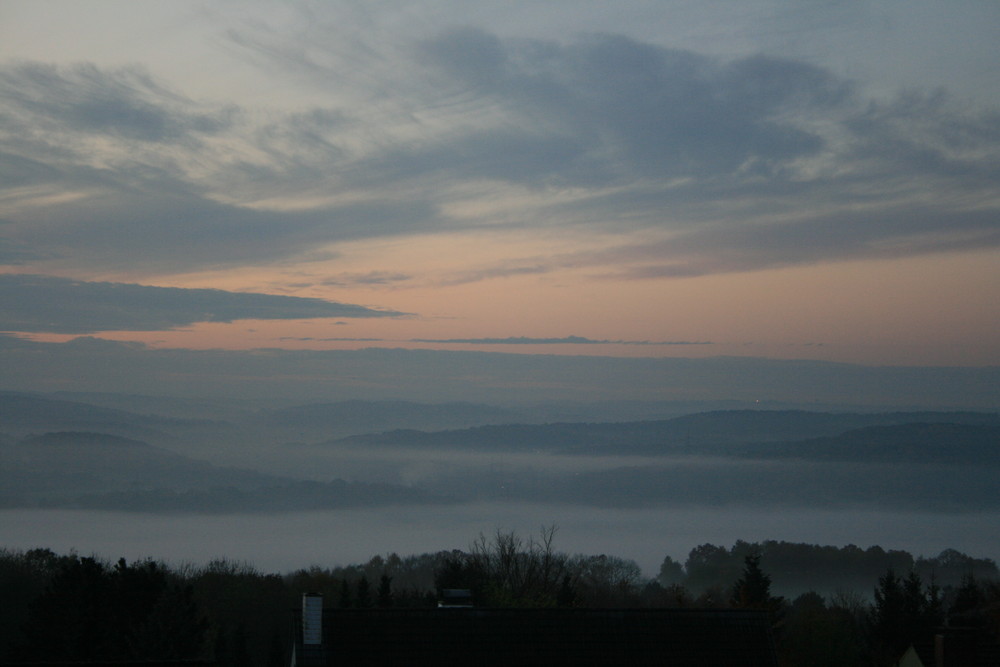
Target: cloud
x=568 y=340
x=369 y=278
x=927 y=133
x=88 y=364
x=34 y=303
x=745 y=164
x=728 y=164
x=106 y=167
x=622 y=109
x=327 y=340
x=506 y=269
x=883 y=233
x=162 y=231
x=125 y=103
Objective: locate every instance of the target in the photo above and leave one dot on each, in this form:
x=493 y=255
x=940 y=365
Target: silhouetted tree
x=606 y=581
x=507 y=571
x=967 y=607
x=707 y=566
x=231 y=648
x=384 y=596
x=345 y=599
x=130 y=612
x=819 y=635
x=671 y=573
x=904 y=613
x=239 y=601
x=175 y=628
x=363 y=594
x=567 y=593
x=276 y=654
x=24 y=576
x=889 y=634
x=753 y=589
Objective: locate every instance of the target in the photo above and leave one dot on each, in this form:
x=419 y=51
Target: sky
x=786 y=179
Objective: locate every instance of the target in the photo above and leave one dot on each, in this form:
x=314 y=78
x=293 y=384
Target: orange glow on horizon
x=933 y=310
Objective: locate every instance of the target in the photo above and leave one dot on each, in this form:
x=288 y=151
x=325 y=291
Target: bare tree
x=507 y=570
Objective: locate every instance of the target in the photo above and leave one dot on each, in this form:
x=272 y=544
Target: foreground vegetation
x=837 y=605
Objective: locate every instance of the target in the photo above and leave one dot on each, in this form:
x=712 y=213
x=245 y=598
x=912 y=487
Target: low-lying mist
x=287 y=541
x=235 y=484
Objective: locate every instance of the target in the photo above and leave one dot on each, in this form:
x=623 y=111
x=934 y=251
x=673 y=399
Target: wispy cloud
x=369 y=278
x=59 y=305
x=126 y=103
x=312 y=339
x=568 y=340
x=112 y=168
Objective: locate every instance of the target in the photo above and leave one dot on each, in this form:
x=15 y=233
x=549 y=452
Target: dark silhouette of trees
x=384 y=596
x=950 y=567
x=345 y=599
x=129 y=612
x=709 y=565
x=905 y=612
x=508 y=571
x=753 y=589
x=229 y=612
x=967 y=608
x=889 y=632
x=567 y=596
x=818 y=634
x=363 y=593
x=826 y=569
x=23 y=578
x=607 y=581
x=240 y=604
x=671 y=573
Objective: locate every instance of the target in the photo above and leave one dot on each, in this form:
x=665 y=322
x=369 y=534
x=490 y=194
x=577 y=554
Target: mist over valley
x=923 y=480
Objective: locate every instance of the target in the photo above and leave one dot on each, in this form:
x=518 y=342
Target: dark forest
x=829 y=605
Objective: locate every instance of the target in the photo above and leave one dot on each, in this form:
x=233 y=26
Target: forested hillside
x=829 y=605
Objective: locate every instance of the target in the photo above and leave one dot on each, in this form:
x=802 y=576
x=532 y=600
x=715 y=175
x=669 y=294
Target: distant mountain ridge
x=25 y=413
x=321 y=419
x=928 y=443
x=22 y=414
x=259 y=458
x=708 y=433
x=83 y=439
x=88 y=470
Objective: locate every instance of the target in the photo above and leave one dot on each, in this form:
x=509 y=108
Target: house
x=481 y=636
x=114 y=663
x=910 y=659
x=955 y=646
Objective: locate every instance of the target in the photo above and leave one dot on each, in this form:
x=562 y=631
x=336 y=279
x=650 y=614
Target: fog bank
x=284 y=542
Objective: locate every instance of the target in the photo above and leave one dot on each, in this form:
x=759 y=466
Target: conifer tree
x=363 y=595
x=384 y=595
x=753 y=589
x=345 y=600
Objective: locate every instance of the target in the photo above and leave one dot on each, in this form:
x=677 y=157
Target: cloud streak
x=58 y=305
x=89 y=364
x=568 y=340
x=127 y=103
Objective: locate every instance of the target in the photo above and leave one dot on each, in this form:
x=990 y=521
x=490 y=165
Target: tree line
x=62 y=607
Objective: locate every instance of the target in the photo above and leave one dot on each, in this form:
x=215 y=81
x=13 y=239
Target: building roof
x=959 y=647
x=113 y=663
x=540 y=637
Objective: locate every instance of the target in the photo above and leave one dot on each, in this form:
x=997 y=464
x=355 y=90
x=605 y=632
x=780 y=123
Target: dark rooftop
x=478 y=636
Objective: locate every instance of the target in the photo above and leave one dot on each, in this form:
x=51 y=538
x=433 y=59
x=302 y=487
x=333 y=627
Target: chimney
x=312 y=619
